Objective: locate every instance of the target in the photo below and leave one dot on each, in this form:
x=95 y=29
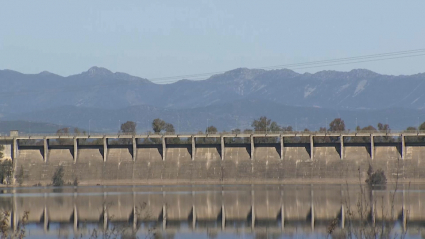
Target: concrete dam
x=217 y=158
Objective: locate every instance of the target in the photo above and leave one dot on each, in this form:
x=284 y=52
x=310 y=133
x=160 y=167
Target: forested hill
x=101 y=88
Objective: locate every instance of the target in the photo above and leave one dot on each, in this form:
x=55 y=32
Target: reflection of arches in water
x=198 y=210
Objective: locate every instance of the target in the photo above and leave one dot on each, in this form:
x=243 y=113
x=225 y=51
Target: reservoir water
x=215 y=211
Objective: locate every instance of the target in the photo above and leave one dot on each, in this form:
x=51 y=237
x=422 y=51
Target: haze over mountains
x=227 y=100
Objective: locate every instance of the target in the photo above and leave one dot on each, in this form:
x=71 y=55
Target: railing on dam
x=228 y=134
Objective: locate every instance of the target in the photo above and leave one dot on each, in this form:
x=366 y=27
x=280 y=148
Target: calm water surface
x=214 y=211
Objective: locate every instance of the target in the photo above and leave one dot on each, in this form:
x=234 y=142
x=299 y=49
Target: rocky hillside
x=100 y=88
x=230 y=100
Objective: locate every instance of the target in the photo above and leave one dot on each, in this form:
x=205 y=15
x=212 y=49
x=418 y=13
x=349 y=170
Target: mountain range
x=228 y=100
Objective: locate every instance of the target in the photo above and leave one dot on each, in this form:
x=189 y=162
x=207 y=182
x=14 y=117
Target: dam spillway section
x=302 y=157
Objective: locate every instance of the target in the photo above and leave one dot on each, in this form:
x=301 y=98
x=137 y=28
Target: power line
x=349 y=58
x=345 y=63
x=334 y=64
x=293 y=66
x=290 y=66
x=320 y=65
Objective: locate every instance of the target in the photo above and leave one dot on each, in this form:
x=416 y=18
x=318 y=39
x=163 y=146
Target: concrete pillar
x=281 y=147
x=311 y=147
x=403 y=147
x=372 y=147
x=15 y=148
x=134 y=148
x=14 y=156
x=75 y=149
x=342 y=146
x=193 y=147
x=222 y=147
x=75 y=218
x=164 y=148
x=223 y=218
x=46 y=149
x=252 y=147
x=105 y=149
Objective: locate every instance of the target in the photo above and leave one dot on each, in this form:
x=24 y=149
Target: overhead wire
x=292 y=66
x=371 y=60
x=324 y=65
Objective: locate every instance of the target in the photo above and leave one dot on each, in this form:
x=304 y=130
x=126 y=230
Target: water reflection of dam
x=279 y=208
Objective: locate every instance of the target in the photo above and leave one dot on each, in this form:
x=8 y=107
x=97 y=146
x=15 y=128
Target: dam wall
x=88 y=155
x=218 y=162
x=208 y=152
x=218 y=171
x=149 y=154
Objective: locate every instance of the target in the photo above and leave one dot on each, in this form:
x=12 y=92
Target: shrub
x=6 y=171
x=57 y=179
x=375 y=177
x=1 y=151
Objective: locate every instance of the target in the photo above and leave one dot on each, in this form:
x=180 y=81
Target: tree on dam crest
x=264 y=125
x=261 y=125
x=158 y=126
x=210 y=130
x=337 y=125
x=128 y=127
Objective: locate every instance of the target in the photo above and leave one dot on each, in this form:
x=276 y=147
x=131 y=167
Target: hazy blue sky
x=167 y=38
